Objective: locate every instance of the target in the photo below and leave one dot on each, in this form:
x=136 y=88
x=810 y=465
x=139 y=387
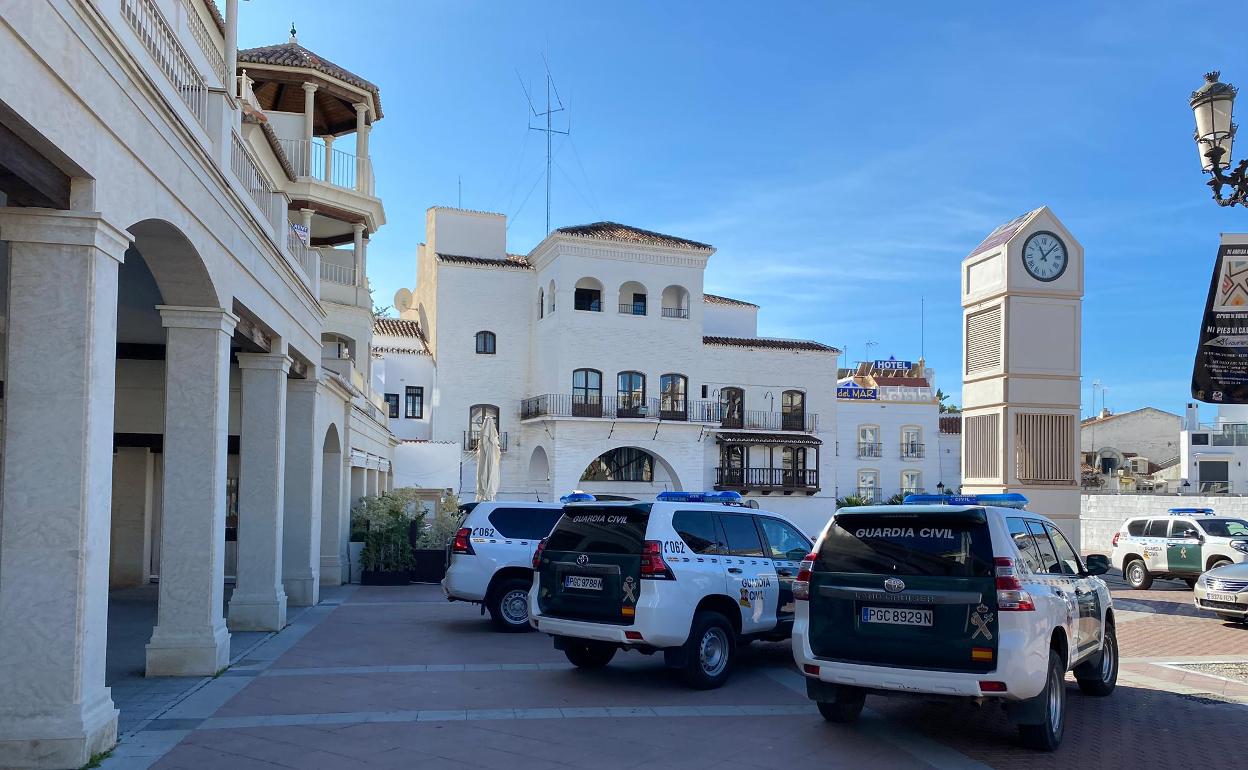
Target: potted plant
x=430 y=539
x=384 y=521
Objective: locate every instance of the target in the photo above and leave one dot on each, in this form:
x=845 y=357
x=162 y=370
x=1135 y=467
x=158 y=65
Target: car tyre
x=710 y=651
x=1047 y=735
x=1136 y=574
x=846 y=705
x=1099 y=675
x=588 y=655
x=509 y=606
x=1191 y=582
x=1219 y=563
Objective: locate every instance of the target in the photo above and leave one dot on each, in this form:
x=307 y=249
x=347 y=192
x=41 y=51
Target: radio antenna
x=549 y=130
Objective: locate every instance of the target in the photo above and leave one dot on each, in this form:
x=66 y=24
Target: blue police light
x=1004 y=500
x=1190 y=512
x=699 y=497
x=578 y=497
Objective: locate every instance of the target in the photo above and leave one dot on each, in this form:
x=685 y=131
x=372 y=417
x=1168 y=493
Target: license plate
x=1220 y=597
x=896 y=617
x=583 y=583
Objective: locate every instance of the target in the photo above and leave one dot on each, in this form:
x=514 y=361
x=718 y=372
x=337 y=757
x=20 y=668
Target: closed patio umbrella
x=489 y=453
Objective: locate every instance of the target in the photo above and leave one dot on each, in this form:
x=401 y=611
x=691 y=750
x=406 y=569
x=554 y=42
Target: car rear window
x=1156 y=528
x=600 y=529
x=524 y=523
x=933 y=544
x=1136 y=528
x=699 y=531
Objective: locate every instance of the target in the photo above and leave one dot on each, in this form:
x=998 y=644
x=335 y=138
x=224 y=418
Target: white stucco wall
x=890 y=417
x=1148 y=432
x=730 y=320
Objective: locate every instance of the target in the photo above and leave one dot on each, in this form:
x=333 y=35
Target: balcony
x=314 y=160
x=870 y=494
x=472 y=439
x=869 y=449
x=675 y=312
x=632 y=308
x=912 y=452
x=342 y=275
x=758 y=419
x=666 y=409
x=768 y=479
x=161 y=42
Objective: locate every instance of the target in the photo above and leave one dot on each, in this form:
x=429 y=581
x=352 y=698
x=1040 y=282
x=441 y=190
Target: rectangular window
x=936 y=545
x=1156 y=528
x=698 y=530
x=1049 y=563
x=525 y=523
x=587 y=299
x=583 y=528
x=742 y=535
x=392 y=402
x=1136 y=528
x=1026 y=544
x=415 y=406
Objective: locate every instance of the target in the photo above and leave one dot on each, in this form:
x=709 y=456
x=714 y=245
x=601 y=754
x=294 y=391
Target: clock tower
x=1022 y=306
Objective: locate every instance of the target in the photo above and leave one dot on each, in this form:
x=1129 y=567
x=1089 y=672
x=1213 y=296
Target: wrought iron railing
x=675 y=312
x=664 y=408
x=869 y=449
x=870 y=494
x=633 y=308
x=472 y=439
x=580 y=405
x=161 y=42
x=912 y=451
x=767 y=478
x=343 y=275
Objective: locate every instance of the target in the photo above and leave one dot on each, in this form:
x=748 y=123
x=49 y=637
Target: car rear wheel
x=1047 y=734
x=584 y=654
x=509 y=606
x=845 y=706
x=709 y=651
x=1136 y=574
x=1099 y=675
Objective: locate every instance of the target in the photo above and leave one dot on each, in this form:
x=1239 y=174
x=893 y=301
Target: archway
x=335 y=529
x=539 y=466
x=630 y=471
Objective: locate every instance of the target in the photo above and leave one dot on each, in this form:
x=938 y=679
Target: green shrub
x=446 y=520
x=382 y=523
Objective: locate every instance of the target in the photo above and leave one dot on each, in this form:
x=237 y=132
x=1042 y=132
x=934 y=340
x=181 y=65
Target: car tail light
x=801 y=583
x=1010 y=594
x=810 y=669
x=1115 y=543
x=992 y=686
x=652 y=564
x=634 y=636
x=537 y=554
x=462 y=544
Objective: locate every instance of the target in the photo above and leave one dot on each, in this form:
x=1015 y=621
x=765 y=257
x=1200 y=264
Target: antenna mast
x=549 y=130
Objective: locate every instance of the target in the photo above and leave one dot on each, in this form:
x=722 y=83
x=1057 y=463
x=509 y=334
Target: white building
x=1144 y=439
x=1214 y=457
x=183 y=387
x=608 y=369
x=889 y=432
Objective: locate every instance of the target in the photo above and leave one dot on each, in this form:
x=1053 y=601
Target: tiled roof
x=951 y=423
x=614 y=231
x=398 y=327
x=770 y=342
x=217 y=18
x=513 y=261
x=715 y=299
x=1115 y=415
x=1002 y=234
x=767 y=438
x=295 y=55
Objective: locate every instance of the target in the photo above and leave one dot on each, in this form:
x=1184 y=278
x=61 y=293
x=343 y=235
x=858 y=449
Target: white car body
x=1178 y=544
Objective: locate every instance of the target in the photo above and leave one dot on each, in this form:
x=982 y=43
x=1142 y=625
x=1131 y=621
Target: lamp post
x=940 y=488
x=1184 y=487
x=1212 y=106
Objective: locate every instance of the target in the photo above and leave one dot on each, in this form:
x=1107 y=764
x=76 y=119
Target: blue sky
x=842 y=157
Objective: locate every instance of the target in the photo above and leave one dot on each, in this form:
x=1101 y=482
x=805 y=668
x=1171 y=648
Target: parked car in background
x=1224 y=590
x=1180 y=545
x=490 y=561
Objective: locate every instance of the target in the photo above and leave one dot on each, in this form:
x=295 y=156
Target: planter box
x=430 y=565
x=376 y=578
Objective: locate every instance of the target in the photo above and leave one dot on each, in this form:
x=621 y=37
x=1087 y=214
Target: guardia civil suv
x=1181 y=544
x=961 y=597
x=490 y=561
x=691 y=575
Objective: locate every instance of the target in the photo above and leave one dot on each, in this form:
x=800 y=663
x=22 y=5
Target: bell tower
x=1022 y=307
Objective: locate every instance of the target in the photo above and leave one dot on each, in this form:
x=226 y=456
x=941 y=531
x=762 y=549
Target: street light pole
x=1212 y=104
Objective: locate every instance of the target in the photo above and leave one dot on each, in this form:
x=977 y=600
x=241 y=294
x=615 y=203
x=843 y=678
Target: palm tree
x=941 y=398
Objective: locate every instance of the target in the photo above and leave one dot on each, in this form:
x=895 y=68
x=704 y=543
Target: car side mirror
x=1097 y=564
x=1192 y=534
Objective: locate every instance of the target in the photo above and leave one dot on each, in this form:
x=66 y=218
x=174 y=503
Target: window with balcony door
x=868 y=441
x=793 y=410
x=485 y=343
x=587 y=295
x=733 y=459
x=587 y=393
x=672 y=390
x=911 y=482
x=414 y=403
x=793 y=466
x=911 y=442
x=731 y=407
x=630 y=392
x=869 y=485
x=476 y=418
x=392 y=404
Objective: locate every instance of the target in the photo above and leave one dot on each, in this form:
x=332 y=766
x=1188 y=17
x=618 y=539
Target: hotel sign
x=894 y=365
x=1220 y=373
x=854 y=392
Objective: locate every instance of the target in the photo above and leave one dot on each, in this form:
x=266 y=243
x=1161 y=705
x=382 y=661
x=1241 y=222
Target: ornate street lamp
x=940 y=488
x=1212 y=104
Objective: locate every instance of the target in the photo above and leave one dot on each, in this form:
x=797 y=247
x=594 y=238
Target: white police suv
x=964 y=597
x=1181 y=544
x=691 y=575
x=490 y=561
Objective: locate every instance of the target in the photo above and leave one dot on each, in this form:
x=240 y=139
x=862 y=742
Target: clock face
x=1044 y=256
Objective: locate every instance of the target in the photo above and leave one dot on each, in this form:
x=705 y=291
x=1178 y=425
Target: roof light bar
x=1190 y=512
x=578 y=497
x=1003 y=500
x=699 y=497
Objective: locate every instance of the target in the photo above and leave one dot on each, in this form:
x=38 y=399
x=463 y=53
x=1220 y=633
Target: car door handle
x=735 y=570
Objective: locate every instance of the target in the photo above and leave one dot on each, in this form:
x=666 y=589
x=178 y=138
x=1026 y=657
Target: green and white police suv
x=1182 y=544
x=964 y=597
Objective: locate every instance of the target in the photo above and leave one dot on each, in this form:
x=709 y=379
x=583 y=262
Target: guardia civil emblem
x=630 y=590
x=982 y=619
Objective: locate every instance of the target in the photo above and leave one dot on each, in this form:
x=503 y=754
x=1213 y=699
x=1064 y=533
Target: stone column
x=58 y=451
x=134 y=473
x=190 y=638
x=333 y=515
x=309 y=111
x=259 y=600
x=371 y=483
x=363 y=166
x=358 y=254
x=301 y=535
x=231 y=46
x=329 y=159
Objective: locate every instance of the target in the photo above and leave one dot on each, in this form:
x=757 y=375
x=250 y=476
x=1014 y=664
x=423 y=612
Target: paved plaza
x=397 y=677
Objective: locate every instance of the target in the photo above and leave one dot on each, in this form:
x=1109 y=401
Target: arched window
x=587 y=393
x=485 y=343
x=588 y=295
x=550 y=298
x=672 y=403
x=632 y=298
x=630 y=393
x=675 y=302
x=623 y=464
x=476 y=418
x=793 y=410
x=732 y=407
x=541 y=303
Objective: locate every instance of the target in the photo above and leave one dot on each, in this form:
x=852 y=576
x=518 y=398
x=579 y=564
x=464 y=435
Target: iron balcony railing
x=472 y=439
x=592 y=405
x=632 y=308
x=870 y=494
x=675 y=312
x=1213 y=487
x=767 y=478
x=869 y=449
x=663 y=408
x=912 y=451
x=760 y=419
